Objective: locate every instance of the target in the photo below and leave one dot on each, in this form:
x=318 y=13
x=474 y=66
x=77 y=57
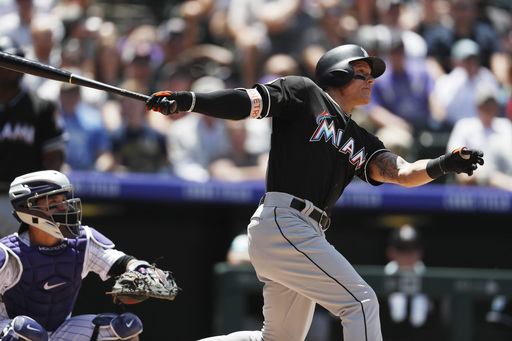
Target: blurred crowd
x=448 y=80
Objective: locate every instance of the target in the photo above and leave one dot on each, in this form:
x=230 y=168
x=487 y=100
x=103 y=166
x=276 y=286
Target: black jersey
x=316 y=149
x=29 y=126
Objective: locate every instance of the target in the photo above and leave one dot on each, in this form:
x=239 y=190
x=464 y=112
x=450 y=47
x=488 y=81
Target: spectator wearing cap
x=264 y=27
x=404 y=251
x=490 y=132
x=141 y=54
x=407 y=313
x=107 y=59
x=239 y=164
x=400 y=107
x=136 y=146
x=45 y=47
x=454 y=93
x=334 y=25
x=194 y=141
x=171 y=39
x=88 y=145
x=464 y=24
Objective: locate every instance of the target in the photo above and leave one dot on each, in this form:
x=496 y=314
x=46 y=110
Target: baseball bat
x=24 y=65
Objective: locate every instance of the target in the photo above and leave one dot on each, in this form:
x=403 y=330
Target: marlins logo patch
x=327 y=131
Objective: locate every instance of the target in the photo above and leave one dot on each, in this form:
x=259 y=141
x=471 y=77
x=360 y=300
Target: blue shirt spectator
x=88 y=146
x=405 y=93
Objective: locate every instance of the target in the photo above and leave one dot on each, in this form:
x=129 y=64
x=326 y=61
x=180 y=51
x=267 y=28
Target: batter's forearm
x=414 y=174
x=232 y=104
x=390 y=168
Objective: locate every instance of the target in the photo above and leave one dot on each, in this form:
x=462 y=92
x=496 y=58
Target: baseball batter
x=316 y=151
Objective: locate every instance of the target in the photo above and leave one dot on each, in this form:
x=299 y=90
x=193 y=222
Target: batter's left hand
x=463 y=160
x=164 y=102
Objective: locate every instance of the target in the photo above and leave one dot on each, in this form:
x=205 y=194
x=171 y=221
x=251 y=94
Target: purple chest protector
x=49 y=284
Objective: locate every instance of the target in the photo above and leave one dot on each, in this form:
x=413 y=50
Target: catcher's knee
x=126 y=326
x=24 y=328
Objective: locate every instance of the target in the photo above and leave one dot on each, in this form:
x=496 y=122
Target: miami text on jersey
x=19 y=132
x=327 y=129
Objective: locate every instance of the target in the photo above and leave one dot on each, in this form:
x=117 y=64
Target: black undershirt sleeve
x=231 y=104
x=119 y=267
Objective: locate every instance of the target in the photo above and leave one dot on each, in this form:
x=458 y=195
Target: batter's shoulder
x=301 y=86
x=301 y=81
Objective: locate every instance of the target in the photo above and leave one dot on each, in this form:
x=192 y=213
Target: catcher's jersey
x=43 y=282
x=316 y=149
x=29 y=126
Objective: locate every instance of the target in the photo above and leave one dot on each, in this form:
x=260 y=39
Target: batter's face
x=359 y=89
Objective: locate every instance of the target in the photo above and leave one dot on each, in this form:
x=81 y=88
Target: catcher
x=43 y=264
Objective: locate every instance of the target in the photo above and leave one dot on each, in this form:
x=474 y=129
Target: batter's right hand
x=164 y=102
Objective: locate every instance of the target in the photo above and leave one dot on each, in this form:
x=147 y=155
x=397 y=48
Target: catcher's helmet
x=25 y=193
x=334 y=69
x=8 y=45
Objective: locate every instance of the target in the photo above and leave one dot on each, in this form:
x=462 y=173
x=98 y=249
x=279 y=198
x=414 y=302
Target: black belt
x=319 y=216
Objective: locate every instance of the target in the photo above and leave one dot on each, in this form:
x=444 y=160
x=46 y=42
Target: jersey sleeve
x=285 y=96
x=374 y=146
x=101 y=254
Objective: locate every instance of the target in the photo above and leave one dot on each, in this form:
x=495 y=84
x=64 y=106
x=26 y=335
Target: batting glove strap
x=461 y=160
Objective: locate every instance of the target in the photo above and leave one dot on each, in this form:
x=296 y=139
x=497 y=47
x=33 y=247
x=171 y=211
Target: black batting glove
x=461 y=160
x=164 y=102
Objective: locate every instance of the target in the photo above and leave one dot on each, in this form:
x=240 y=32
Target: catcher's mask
x=62 y=219
x=334 y=69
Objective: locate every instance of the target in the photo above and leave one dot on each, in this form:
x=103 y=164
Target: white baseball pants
x=300 y=268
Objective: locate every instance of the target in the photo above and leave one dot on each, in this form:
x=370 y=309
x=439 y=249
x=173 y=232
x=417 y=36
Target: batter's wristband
x=193 y=105
x=186 y=100
x=435 y=167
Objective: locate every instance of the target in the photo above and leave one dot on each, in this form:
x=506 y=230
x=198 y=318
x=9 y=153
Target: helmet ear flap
x=340 y=76
x=16 y=216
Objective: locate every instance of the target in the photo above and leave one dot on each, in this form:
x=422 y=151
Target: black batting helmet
x=334 y=69
x=8 y=45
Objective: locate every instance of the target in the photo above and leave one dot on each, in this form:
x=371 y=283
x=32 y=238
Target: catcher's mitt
x=146 y=281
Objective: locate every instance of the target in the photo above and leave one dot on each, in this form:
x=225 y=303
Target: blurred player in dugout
x=407 y=313
x=32 y=135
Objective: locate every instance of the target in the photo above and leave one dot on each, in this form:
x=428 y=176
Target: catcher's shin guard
x=24 y=328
